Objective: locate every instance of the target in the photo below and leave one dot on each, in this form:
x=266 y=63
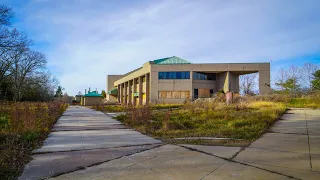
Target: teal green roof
x=171 y=60
x=93 y=94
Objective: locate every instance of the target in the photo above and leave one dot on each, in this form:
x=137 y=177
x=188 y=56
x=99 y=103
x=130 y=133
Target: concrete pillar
x=264 y=82
x=121 y=94
x=130 y=92
x=192 y=88
x=221 y=81
x=134 y=91
x=140 y=90
x=126 y=93
x=233 y=82
x=226 y=85
x=147 y=88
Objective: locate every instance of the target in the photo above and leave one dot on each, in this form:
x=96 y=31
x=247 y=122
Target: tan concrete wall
x=233 y=82
x=110 y=81
x=264 y=82
x=110 y=85
x=221 y=81
x=225 y=80
x=90 y=101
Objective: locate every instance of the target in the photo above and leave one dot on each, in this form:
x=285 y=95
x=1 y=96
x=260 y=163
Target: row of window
x=204 y=76
x=174 y=94
x=186 y=75
x=174 y=75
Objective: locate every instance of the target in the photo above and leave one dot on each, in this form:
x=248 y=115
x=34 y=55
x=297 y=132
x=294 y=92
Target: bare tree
x=26 y=63
x=248 y=83
x=6 y=15
x=307 y=74
x=281 y=77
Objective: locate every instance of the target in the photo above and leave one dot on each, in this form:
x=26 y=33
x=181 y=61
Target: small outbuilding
x=91 y=98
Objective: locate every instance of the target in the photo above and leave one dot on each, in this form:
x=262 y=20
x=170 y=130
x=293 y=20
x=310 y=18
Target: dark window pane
x=187 y=75
x=178 y=74
x=160 y=74
x=168 y=75
x=183 y=75
x=173 y=75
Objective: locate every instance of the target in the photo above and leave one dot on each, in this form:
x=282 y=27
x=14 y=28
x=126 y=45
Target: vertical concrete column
x=130 y=92
x=226 y=85
x=192 y=88
x=140 y=90
x=121 y=94
x=233 y=82
x=126 y=93
x=147 y=88
x=134 y=91
x=264 y=82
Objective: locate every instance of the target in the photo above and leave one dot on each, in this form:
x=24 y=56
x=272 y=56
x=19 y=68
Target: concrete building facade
x=174 y=80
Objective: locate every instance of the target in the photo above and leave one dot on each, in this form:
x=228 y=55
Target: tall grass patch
x=245 y=120
x=23 y=127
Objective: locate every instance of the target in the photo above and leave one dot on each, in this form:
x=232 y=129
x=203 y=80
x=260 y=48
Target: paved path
x=292 y=146
x=83 y=137
x=291 y=150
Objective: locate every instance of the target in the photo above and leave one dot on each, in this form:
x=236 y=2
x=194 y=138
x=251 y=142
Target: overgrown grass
x=119 y=108
x=247 y=118
x=23 y=127
x=242 y=120
x=308 y=101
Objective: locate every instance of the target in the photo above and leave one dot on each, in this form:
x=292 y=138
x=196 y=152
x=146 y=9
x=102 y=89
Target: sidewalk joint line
x=310 y=159
x=212 y=171
x=98 y=163
x=242 y=163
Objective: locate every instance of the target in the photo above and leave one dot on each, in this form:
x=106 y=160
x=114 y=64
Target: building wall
x=227 y=79
x=91 y=101
x=110 y=85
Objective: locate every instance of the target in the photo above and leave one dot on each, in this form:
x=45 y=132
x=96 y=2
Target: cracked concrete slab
x=288 y=153
x=231 y=170
x=220 y=151
x=83 y=137
x=270 y=157
x=173 y=163
x=282 y=142
x=50 y=164
x=93 y=139
x=274 y=156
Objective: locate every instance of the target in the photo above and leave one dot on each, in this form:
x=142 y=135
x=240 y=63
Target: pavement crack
x=310 y=158
x=242 y=163
x=211 y=171
x=236 y=154
x=98 y=163
x=89 y=149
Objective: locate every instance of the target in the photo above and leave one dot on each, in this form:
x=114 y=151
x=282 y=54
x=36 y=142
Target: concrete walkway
x=84 y=137
x=292 y=147
x=291 y=150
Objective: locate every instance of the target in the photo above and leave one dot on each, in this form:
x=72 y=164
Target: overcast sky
x=85 y=40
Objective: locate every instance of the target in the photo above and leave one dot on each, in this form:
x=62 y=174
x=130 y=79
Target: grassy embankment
x=245 y=119
x=23 y=127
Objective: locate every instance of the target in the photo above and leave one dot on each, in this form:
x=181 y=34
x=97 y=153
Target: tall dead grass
x=23 y=127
